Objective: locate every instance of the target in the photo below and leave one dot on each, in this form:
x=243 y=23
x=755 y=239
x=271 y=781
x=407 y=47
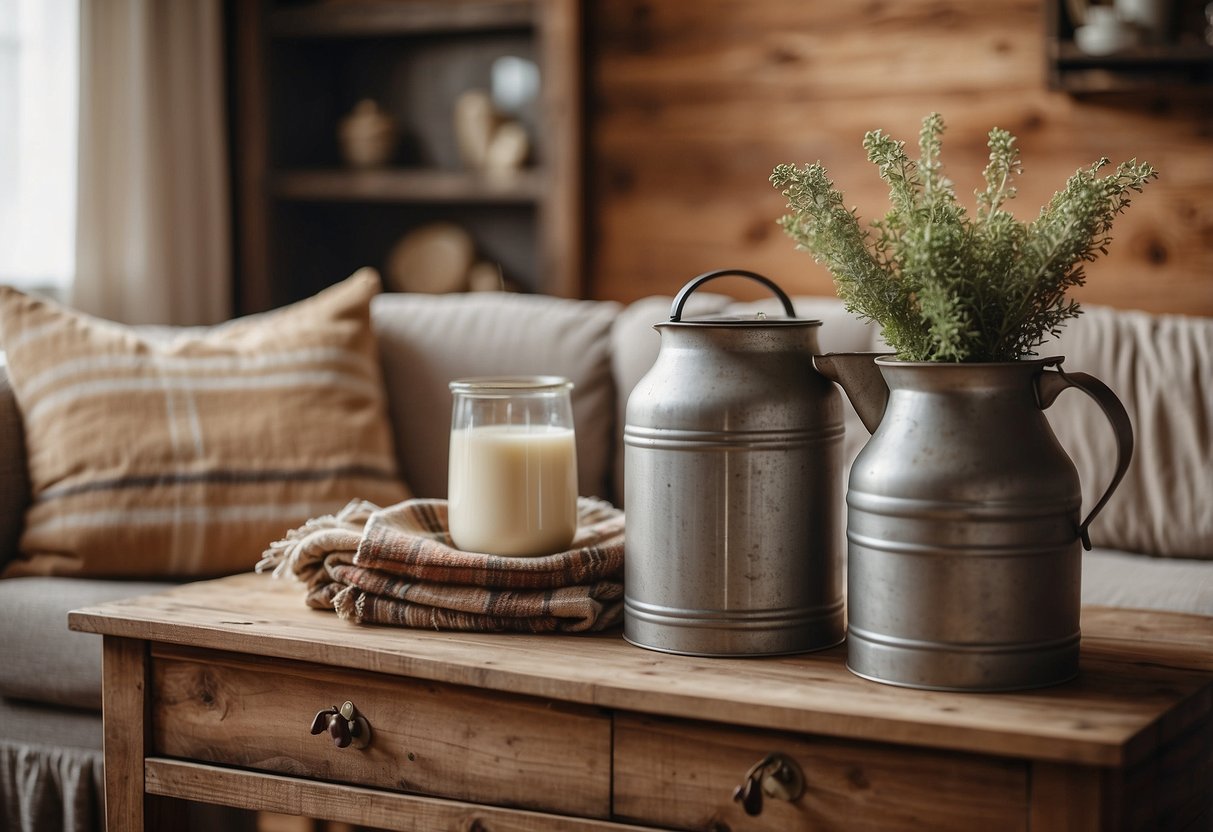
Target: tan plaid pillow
x=188 y=456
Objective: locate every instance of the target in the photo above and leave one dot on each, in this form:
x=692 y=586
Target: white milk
x=513 y=489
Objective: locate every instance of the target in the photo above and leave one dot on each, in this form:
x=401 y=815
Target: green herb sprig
x=944 y=285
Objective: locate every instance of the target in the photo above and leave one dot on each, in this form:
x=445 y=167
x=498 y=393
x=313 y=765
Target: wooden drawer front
x=682 y=774
x=426 y=737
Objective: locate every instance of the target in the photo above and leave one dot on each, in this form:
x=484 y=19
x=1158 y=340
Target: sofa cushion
x=1161 y=367
x=49 y=726
x=1123 y=579
x=428 y=340
x=41 y=660
x=188 y=456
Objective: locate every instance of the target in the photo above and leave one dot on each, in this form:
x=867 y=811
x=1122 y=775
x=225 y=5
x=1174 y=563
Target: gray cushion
x=1160 y=366
x=428 y=340
x=1123 y=579
x=41 y=660
x=25 y=723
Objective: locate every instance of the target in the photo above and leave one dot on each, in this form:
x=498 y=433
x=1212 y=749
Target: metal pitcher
x=733 y=455
x=964 y=568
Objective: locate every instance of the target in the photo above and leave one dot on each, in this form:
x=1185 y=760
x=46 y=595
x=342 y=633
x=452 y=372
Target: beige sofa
x=1154 y=540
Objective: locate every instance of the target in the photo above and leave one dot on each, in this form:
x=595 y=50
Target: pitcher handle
x=695 y=283
x=1049 y=385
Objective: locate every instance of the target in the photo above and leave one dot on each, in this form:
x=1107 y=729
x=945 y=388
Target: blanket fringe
x=285 y=557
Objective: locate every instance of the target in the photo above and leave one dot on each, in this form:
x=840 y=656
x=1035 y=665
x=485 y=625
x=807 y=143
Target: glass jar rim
x=509 y=385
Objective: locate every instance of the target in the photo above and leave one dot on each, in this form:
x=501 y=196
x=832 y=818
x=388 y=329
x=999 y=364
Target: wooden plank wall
x=692 y=103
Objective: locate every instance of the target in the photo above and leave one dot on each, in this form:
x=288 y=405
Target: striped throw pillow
x=187 y=455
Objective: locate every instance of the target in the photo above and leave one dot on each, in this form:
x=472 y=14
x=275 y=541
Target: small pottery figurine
x=367 y=136
x=432 y=258
x=487 y=141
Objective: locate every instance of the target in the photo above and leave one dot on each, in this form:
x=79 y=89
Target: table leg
x=124 y=708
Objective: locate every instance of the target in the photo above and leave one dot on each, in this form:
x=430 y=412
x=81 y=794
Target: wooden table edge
x=115 y=620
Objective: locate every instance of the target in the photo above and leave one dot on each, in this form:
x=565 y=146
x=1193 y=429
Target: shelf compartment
x=380 y=19
x=307 y=219
x=1181 y=66
x=320 y=242
x=1195 y=55
x=403 y=185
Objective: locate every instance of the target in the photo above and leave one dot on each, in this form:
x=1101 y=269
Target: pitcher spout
x=859 y=377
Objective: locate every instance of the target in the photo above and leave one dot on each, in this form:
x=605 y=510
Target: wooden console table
x=210 y=690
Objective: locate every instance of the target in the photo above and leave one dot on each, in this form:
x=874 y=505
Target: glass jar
x=512 y=486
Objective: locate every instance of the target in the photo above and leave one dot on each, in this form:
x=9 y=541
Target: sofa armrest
x=14 y=477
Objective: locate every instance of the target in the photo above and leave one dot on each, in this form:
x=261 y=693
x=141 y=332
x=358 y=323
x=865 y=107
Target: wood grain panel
x=427 y=737
x=788 y=51
x=351 y=804
x=1108 y=716
x=692 y=104
x=1067 y=799
x=849 y=786
x=1151 y=632
x=561 y=217
x=1174 y=788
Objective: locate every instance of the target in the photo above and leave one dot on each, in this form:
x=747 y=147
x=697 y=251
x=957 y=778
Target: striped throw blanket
x=397 y=566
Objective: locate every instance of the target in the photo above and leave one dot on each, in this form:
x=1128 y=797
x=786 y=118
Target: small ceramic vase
x=367 y=136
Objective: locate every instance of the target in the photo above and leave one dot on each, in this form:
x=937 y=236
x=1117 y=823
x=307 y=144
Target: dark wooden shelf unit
x=306 y=220
x=1183 y=63
x=379 y=19
x=405 y=186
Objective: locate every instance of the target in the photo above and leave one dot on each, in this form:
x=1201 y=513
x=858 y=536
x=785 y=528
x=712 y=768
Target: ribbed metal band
x=992 y=510
x=789 y=618
x=986 y=648
x=901 y=547
x=665 y=438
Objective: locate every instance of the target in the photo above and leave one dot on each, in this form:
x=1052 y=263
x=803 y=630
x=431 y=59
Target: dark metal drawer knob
x=776 y=776
x=345 y=725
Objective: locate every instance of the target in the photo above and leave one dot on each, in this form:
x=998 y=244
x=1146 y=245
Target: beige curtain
x=153 y=235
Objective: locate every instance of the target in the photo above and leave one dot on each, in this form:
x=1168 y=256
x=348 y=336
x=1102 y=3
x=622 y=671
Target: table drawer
x=682 y=774
x=426 y=737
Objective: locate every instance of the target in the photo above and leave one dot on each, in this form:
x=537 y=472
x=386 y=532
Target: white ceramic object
x=1104 y=33
x=1151 y=17
x=515 y=83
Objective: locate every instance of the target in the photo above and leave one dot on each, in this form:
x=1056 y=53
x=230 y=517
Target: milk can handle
x=1049 y=385
x=685 y=292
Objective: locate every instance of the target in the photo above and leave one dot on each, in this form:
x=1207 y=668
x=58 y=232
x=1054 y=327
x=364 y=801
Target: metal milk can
x=733 y=459
x=963 y=522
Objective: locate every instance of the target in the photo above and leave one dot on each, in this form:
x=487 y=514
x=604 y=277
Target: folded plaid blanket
x=397 y=566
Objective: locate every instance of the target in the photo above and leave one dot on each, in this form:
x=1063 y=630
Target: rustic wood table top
x=1144 y=675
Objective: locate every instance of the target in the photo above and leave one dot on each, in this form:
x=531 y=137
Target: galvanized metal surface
x=733 y=452
x=963 y=528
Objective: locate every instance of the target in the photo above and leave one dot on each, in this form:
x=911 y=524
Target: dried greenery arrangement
x=945 y=286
